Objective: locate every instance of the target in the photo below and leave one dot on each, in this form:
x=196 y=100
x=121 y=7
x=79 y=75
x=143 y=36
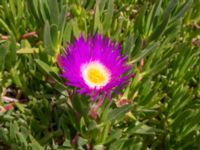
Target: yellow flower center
x=95 y=74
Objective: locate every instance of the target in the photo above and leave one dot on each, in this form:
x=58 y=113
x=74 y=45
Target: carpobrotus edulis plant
x=94 y=66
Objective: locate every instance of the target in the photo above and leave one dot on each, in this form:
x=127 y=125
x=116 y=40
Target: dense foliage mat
x=158 y=109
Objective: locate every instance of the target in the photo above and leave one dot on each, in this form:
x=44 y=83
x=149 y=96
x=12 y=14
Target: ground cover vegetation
x=158 y=109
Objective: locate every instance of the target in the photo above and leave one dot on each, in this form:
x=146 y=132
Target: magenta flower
x=94 y=66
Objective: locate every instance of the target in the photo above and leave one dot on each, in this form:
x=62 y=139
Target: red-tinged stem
x=102 y=147
x=100 y=102
x=141 y=64
x=90 y=147
x=24 y=36
x=75 y=140
x=27 y=35
x=9 y=99
x=94 y=109
x=4 y=37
